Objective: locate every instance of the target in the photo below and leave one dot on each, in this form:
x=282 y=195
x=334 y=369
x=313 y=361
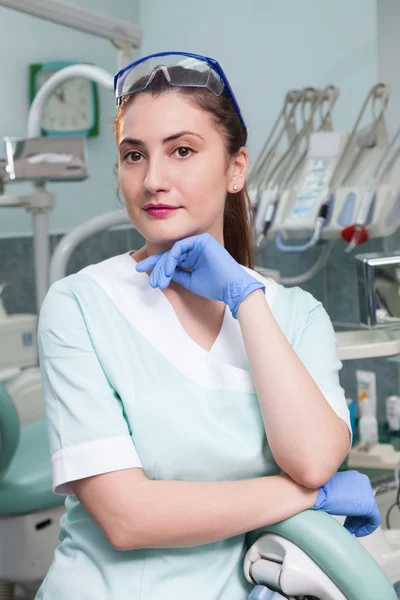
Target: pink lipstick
x=160 y=210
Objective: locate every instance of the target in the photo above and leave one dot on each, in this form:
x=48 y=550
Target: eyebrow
x=170 y=138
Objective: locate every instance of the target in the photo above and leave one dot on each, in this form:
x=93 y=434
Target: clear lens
x=178 y=71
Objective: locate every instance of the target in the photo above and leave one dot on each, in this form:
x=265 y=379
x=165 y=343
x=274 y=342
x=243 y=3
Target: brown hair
x=238 y=215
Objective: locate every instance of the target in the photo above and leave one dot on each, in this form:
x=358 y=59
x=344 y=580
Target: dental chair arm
x=335 y=551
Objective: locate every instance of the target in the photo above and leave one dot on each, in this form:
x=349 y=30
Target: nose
x=156 y=179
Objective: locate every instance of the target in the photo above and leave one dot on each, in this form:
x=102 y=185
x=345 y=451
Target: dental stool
x=311 y=555
x=29 y=510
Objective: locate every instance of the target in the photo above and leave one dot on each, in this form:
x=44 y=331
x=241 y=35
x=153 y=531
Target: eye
x=184 y=151
x=136 y=156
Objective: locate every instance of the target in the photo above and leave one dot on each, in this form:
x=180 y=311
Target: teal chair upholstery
x=26 y=480
x=9 y=430
x=338 y=554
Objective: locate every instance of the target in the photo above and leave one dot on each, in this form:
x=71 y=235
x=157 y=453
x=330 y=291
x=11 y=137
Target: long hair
x=238 y=228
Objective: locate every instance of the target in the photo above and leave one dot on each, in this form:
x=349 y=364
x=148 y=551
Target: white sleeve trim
x=92 y=458
x=339 y=405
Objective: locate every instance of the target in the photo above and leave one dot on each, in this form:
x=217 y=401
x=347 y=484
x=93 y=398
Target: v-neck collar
x=175 y=317
x=152 y=315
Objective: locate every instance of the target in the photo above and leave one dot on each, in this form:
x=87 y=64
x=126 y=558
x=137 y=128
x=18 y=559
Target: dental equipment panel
x=341 y=185
x=46 y=159
x=303 y=207
x=274 y=172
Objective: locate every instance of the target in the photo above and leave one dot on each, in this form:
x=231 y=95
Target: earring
x=236 y=187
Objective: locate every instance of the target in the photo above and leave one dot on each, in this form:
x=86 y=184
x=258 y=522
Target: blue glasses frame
x=211 y=61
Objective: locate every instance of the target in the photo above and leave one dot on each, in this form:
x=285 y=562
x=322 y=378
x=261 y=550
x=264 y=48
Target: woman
x=158 y=428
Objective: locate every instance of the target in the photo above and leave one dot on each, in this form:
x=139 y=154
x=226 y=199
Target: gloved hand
x=261 y=592
x=349 y=493
x=215 y=273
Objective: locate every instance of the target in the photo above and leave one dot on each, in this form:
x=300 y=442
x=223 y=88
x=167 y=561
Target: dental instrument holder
x=41 y=241
x=313 y=193
x=266 y=160
x=349 y=184
x=287 y=165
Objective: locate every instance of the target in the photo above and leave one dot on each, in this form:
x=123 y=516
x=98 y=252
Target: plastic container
x=393 y=413
x=368 y=429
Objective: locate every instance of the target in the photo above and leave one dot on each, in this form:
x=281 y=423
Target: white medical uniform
x=125 y=386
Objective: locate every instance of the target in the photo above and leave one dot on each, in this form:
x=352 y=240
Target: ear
x=238 y=170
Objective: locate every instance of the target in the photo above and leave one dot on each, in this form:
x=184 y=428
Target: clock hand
x=73 y=106
x=60 y=94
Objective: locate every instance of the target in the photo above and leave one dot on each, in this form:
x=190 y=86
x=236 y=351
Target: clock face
x=70 y=107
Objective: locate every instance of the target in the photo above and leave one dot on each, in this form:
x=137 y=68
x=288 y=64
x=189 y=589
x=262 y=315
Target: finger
x=172 y=260
x=375 y=518
x=360 y=526
x=179 y=253
x=352 y=524
x=148 y=263
x=182 y=277
x=365 y=529
x=158 y=277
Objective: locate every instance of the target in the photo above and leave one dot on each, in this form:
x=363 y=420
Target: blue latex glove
x=350 y=494
x=215 y=273
x=260 y=592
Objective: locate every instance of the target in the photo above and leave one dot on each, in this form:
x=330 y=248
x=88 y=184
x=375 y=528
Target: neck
x=151 y=248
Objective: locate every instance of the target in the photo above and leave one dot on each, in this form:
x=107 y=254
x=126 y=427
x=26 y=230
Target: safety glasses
x=180 y=69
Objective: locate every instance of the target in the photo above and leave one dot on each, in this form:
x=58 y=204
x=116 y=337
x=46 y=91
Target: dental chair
x=29 y=511
x=310 y=555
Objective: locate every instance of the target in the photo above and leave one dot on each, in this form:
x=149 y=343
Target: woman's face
x=171 y=154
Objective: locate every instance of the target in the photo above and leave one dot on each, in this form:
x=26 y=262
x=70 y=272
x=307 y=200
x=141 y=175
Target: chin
x=169 y=234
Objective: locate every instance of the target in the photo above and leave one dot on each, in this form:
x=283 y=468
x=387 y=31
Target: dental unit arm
x=40 y=202
x=311 y=555
x=359 y=229
x=125 y=37
x=268 y=157
x=273 y=172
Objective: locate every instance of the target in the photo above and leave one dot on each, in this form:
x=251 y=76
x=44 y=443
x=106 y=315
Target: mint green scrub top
x=125 y=386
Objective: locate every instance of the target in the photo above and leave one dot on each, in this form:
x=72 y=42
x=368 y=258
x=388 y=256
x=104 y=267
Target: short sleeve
x=88 y=433
x=317 y=349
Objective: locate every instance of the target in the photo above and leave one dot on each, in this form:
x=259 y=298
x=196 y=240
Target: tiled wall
x=335 y=286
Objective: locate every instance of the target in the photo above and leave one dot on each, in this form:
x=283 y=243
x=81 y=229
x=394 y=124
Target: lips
x=160 y=210
x=157 y=206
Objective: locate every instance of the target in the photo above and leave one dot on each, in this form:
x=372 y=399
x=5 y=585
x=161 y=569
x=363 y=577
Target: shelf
x=368 y=343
